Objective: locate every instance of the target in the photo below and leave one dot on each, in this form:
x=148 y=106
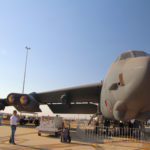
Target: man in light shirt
x=13 y=124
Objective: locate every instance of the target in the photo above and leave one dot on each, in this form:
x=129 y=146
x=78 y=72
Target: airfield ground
x=27 y=139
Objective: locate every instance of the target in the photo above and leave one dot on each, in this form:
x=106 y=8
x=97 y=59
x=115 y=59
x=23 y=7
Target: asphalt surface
x=28 y=139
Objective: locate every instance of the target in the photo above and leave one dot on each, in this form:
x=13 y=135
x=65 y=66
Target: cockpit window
x=125 y=56
x=140 y=54
x=131 y=54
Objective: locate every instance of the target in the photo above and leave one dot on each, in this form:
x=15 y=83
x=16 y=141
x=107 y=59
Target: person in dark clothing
x=106 y=125
x=121 y=126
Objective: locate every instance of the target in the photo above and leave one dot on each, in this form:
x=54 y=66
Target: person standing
x=13 y=124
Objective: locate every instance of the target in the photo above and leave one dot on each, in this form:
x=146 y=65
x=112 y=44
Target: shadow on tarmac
x=30 y=147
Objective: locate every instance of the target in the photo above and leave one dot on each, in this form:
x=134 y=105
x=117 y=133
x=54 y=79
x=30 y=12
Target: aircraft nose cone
x=136 y=93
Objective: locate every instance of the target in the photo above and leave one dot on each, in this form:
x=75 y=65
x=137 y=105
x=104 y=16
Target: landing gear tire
x=56 y=134
x=39 y=134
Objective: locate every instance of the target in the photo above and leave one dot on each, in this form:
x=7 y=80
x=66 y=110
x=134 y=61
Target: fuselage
x=125 y=93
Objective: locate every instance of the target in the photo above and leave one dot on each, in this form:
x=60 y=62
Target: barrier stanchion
x=127 y=132
x=105 y=134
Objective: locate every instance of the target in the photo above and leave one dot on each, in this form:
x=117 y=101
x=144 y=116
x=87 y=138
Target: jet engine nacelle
x=23 y=102
x=65 y=99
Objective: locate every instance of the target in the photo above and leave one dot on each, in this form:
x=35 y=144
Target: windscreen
x=140 y=54
x=125 y=56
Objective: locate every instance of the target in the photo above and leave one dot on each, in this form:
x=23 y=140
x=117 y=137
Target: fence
x=104 y=134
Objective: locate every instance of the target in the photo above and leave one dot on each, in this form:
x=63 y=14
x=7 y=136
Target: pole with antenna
x=27 y=48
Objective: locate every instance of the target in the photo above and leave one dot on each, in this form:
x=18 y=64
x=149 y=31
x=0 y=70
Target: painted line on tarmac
x=6 y=141
x=67 y=145
x=146 y=144
x=20 y=134
x=133 y=140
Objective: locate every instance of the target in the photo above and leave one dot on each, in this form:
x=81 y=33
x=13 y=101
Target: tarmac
x=28 y=139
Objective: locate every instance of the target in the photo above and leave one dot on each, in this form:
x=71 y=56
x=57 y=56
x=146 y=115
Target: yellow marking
x=21 y=134
x=94 y=144
x=6 y=141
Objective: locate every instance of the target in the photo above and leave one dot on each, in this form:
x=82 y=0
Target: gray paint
x=124 y=94
x=130 y=100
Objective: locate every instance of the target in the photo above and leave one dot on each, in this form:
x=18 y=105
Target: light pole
x=27 y=48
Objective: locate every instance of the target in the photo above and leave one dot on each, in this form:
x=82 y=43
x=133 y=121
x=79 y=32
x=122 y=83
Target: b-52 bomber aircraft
x=123 y=95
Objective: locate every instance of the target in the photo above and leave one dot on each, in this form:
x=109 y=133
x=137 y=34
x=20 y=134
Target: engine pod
x=13 y=99
x=29 y=103
x=24 y=100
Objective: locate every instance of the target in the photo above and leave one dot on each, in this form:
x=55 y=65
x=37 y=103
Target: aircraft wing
x=79 y=100
x=86 y=93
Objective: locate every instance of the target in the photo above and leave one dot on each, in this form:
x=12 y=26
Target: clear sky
x=73 y=42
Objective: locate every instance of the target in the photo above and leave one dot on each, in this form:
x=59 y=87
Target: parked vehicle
x=50 y=125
